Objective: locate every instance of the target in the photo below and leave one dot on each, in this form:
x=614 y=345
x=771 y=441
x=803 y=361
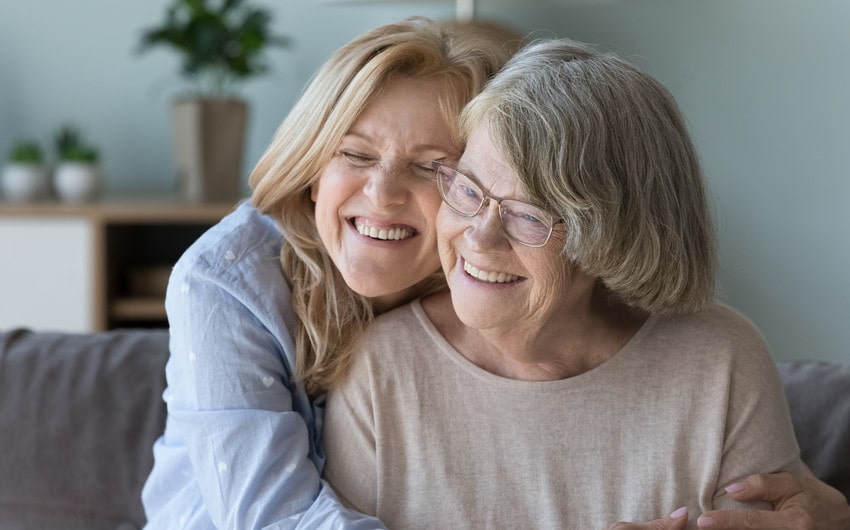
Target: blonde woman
x=263 y=307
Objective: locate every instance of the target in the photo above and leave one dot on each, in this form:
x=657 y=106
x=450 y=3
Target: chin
x=469 y=312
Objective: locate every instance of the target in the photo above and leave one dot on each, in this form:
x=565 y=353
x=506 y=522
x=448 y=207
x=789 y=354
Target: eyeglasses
x=522 y=222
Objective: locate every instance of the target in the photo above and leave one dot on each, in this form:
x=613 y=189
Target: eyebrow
x=470 y=174
x=418 y=147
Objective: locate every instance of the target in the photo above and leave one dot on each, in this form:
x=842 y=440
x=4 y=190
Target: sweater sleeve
x=238 y=442
x=759 y=435
x=350 y=439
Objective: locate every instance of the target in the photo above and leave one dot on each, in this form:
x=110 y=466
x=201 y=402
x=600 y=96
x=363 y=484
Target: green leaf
x=71 y=147
x=219 y=42
x=26 y=152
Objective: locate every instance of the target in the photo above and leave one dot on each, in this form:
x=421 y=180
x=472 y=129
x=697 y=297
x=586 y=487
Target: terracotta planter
x=209 y=137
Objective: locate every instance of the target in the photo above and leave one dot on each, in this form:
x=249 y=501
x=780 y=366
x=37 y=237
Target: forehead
x=406 y=110
x=482 y=160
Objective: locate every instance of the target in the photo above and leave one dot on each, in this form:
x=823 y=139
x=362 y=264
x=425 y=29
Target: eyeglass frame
x=486 y=197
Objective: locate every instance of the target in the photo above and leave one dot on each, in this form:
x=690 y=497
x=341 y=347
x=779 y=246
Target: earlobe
x=314 y=190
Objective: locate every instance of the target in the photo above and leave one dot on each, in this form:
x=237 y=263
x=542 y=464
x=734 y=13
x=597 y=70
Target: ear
x=314 y=190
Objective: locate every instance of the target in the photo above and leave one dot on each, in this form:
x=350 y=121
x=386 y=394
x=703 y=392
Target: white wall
x=765 y=85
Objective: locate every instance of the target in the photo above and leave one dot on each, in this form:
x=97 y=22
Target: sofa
x=79 y=413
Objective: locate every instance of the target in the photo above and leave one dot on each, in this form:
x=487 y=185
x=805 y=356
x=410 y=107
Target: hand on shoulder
x=799 y=504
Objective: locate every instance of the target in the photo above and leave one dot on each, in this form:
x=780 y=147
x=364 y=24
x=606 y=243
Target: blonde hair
x=331 y=314
x=605 y=146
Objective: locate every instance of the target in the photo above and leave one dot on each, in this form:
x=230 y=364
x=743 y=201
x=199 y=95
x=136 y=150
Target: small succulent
x=72 y=148
x=26 y=152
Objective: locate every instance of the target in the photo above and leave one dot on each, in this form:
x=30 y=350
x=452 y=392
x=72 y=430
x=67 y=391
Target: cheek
x=556 y=284
x=317 y=186
x=428 y=197
x=434 y=254
x=320 y=201
x=443 y=226
x=327 y=198
x=446 y=230
x=331 y=189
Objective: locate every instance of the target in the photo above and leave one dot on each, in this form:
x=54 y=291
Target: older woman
x=579 y=356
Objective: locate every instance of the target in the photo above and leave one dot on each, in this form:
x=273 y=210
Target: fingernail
x=736 y=487
x=681 y=512
x=705 y=521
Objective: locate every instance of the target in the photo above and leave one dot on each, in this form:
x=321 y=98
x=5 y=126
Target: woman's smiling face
x=497 y=283
x=376 y=201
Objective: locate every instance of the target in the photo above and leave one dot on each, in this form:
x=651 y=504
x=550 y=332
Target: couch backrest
x=78 y=417
x=819 y=399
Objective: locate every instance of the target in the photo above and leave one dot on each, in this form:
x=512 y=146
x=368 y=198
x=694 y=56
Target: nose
x=385 y=186
x=485 y=229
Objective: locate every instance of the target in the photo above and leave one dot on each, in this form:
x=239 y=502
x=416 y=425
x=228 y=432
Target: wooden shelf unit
x=131 y=247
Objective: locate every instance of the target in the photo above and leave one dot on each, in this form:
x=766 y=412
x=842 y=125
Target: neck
x=569 y=345
x=382 y=304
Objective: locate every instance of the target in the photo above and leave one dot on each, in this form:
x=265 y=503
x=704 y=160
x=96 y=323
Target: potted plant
x=221 y=45
x=25 y=175
x=77 y=175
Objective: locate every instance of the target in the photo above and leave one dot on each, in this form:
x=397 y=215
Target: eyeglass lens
x=524 y=222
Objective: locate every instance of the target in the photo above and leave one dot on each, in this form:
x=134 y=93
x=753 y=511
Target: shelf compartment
x=137 y=308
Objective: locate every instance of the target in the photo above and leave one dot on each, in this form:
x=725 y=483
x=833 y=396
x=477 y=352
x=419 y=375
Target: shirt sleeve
x=759 y=434
x=232 y=402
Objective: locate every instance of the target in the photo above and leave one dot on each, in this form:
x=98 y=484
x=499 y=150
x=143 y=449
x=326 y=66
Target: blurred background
x=764 y=85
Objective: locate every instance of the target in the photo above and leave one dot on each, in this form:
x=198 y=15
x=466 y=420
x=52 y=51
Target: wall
x=78 y=62
x=765 y=85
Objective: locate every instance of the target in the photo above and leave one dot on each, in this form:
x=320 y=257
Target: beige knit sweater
x=422 y=438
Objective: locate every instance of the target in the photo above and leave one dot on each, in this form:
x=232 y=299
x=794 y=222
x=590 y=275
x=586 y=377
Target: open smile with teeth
x=386 y=234
x=489 y=277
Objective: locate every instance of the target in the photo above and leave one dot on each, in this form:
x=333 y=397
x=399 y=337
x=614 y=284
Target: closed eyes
x=360 y=160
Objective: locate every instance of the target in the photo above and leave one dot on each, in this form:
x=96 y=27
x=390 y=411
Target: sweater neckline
x=591 y=376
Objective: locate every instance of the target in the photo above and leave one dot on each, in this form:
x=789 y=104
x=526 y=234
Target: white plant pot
x=24 y=182
x=77 y=181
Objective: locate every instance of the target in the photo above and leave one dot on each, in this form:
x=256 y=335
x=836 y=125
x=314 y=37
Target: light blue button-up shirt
x=241 y=448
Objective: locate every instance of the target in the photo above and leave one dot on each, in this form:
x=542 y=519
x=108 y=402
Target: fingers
x=799 y=504
x=771 y=488
x=755 y=520
x=675 y=521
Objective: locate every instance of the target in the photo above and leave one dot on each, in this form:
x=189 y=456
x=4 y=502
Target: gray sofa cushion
x=78 y=417
x=819 y=399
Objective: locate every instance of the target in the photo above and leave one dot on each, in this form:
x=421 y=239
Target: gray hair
x=605 y=146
